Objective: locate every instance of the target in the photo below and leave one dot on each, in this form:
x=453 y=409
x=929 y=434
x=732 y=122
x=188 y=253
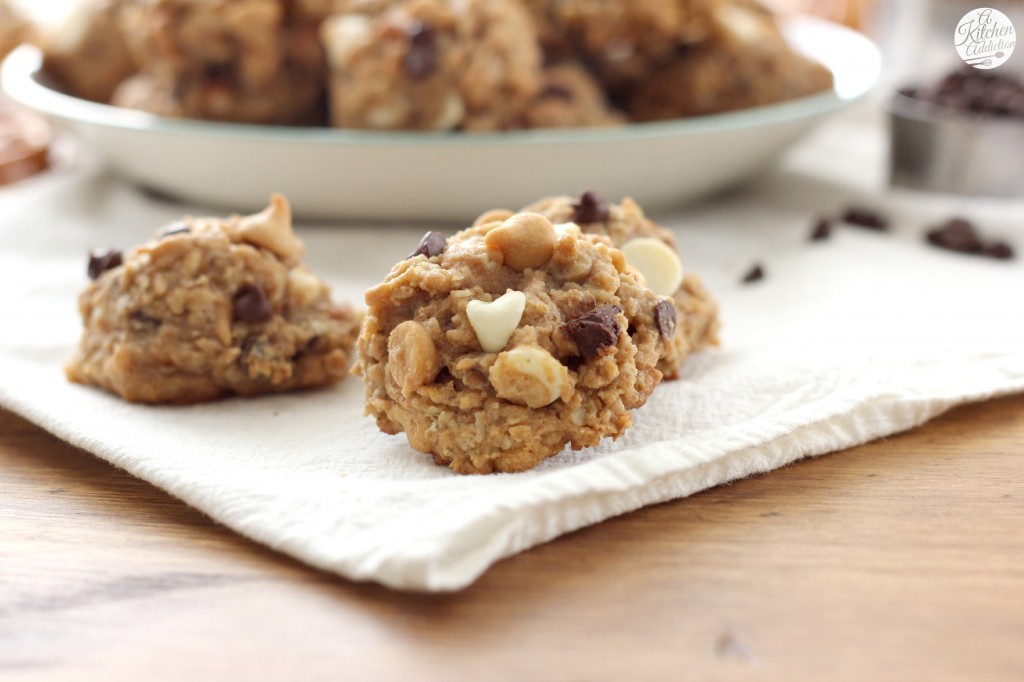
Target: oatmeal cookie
x=624 y=41
x=629 y=229
x=87 y=53
x=495 y=348
x=287 y=101
x=211 y=308
x=745 y=62
x=433 y=65
x=250 y=61
x=570 y=98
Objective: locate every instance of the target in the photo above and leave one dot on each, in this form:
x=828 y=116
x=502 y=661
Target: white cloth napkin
x=844 y=341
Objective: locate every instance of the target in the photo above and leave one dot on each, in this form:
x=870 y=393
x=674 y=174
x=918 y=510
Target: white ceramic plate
x=343 y=174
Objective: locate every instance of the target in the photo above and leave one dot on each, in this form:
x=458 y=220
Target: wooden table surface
x=899 y=560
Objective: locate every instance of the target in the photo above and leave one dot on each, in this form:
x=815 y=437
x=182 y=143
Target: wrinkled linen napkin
x=844 y=341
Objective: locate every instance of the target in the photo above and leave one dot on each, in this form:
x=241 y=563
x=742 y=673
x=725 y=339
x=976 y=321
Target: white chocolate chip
x=494 y=322
x=271 y=229
x=529 y=375
x=657 y=262
x=343 y=36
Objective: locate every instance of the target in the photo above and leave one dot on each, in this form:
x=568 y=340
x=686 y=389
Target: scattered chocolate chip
x=251 y=304
x=962 y=236
x=999 y=251
x=595 y=329
x=822 y=230
x=142 y=319
x=956 y=234
x=866 y=218
x=591 y=208
x=101 y=260
x=444 y=376
x=665 y=317
x=421 y=59
x=557 y=91
x=432 y=244
x=175 y=228
x=754 y=274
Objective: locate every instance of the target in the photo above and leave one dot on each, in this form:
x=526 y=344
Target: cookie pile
x=470 y=65
x=491 y=349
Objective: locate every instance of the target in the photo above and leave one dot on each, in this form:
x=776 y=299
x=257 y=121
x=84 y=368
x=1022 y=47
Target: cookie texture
x=570 y=97
x=249 y=61
x=211 y=308
x=625 y=224
x=433 y=65
x=744 y=62
x=624 y=41
x=514 y=340
x=87 y=53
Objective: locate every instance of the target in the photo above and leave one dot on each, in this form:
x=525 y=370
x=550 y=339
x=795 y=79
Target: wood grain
x=899 y=560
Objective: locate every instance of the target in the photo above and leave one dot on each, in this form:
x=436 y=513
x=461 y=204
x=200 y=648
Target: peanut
x=412 y=357
x=527 y=240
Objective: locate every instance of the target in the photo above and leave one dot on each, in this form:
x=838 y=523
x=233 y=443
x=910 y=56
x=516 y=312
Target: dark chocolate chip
x=101 y=260
x=971 y=91
x=574 y=363
x=754 y=274
x=251 y=304
x=143 y=320
x=956 y=234
x=175 y=228
x=432 y=244
x=866 y=218
x=421 y=60
x=557 y=91
x=665 y=317
x=999 y=251
x=591 y=208
x=822 y=230
x=595 y=329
